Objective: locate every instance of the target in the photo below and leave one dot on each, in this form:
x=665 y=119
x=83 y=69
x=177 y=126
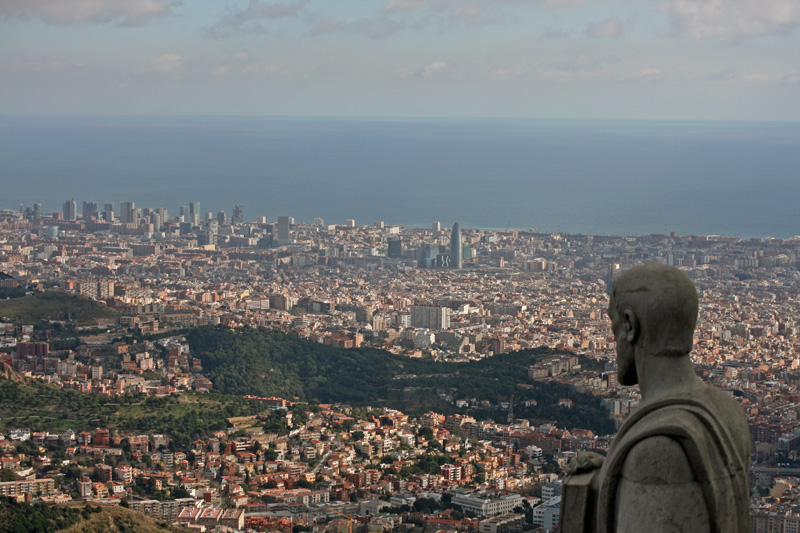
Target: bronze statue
x=681 y=461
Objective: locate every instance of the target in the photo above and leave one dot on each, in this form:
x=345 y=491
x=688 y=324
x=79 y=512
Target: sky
x=626 y=59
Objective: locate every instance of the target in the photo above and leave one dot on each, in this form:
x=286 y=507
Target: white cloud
x=267 y=67
x=727 y=74
x=221 y=70
x=581 y=67
x=432 y=68
x=469 y=11
x=38 y=66
x=560 y=3
x=756 y=77
x=733 y=20
x=404 y=5
x=792 y=78
x=610 y=27
x=167 y=63
x=375 y=27
x=247 y=20
x=68 y=12
x=650 y=73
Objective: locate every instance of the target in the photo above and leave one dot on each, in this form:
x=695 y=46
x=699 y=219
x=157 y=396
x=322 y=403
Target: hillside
x=266 y=363
x=55 y=306
x=6 y=372
x=183 y=417
x=77 y=517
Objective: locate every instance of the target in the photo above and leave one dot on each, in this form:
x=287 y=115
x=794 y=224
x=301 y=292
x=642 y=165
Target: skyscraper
x=284 y=223
x=70 y=209
x=155 y=220
x=90 y=209
x=194 y=208
x=395 y=248
x=37 y=211
x=127 y=212
x=108 y=212
x=456 y=251
x=238 y=214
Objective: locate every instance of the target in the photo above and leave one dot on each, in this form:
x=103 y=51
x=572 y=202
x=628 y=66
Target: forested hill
x=270 y=363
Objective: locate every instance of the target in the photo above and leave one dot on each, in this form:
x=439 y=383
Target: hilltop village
x=435 y=294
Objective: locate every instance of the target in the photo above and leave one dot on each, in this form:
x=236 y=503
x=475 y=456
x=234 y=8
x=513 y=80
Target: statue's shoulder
x=708 y=410
x=662 y=439
x=657 y=460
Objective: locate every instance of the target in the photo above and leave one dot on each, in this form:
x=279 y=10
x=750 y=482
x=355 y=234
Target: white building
x=547 y=514
x=487 y=503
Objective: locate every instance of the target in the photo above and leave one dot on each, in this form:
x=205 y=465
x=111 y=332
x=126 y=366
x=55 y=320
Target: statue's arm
x=658 y=491
x=584 y=462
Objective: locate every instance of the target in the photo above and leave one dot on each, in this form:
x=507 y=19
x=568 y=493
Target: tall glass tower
x=456 y=251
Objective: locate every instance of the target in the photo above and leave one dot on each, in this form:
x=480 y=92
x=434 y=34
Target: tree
x=270 y=454
x=425 y=432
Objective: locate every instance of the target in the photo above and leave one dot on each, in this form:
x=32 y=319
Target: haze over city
x=665 y=59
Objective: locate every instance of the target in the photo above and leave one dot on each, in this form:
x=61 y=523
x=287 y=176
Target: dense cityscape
x=435 y=294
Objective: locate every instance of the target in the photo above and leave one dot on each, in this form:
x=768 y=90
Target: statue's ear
x=631 y=326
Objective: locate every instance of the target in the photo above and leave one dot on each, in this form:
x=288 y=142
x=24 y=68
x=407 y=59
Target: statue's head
x=654 y=307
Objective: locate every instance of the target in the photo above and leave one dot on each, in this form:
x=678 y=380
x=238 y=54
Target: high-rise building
x=284 y=223
x=222 y=218
x=37 y=211
x=70 y=209
x=428 y=254
x=350 y=223
x=90 y=210
x=194 y=208
x=395 y=248
x=108 y=212
x=456 y=250
x=436 y=318
x=156 y=220
x=127 y=212
x=238 y=214
x=437 y=226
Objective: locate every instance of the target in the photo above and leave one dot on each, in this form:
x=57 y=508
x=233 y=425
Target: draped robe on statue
x=720 y=466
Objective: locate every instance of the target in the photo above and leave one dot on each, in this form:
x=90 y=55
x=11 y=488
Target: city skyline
x=658 y=59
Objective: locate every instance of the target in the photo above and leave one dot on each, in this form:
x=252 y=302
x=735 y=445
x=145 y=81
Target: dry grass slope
x=115 y=519
x=58 y=306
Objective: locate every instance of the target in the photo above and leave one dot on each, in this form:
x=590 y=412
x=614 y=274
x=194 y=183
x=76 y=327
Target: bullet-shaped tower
x=456 y=251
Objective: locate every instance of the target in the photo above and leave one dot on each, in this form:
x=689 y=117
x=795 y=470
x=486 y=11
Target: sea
x=599 y=177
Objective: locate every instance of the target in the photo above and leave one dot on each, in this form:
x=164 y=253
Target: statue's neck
x=663 y=376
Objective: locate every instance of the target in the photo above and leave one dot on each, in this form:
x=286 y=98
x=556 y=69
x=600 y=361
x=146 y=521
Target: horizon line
x=401 y=117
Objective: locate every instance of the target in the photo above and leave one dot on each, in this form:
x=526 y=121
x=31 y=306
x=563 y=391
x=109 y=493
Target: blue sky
x=662 y=59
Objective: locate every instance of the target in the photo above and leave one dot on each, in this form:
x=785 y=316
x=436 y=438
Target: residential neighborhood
x=306 y=466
